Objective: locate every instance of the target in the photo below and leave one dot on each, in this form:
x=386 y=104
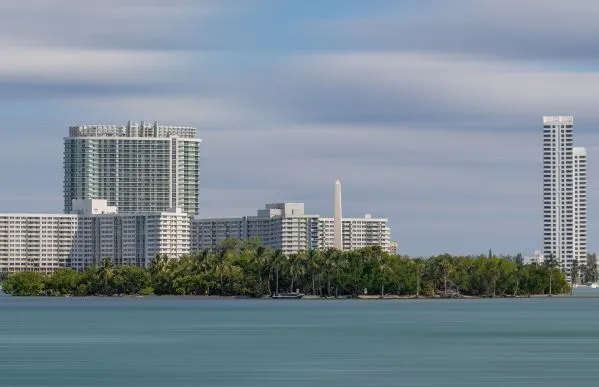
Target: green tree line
x=239 y=268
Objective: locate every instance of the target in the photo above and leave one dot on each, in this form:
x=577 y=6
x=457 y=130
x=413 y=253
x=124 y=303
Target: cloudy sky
x=429 y=111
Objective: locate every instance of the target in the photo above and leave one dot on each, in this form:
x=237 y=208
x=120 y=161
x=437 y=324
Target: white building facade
x=356 y=233
x=138 y=167
x=564 y=193
x=45 y=242
x=538 y=258
x=42 y=242
x=286 y=227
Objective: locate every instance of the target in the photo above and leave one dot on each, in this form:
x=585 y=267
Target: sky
x=428 y=111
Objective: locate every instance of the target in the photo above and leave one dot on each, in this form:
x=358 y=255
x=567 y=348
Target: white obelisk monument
x=337 y=222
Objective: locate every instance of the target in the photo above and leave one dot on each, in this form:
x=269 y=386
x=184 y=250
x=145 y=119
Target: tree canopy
x=239 y=268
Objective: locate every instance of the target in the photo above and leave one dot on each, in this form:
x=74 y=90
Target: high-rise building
x=564 y=193
x=138 y=167
x=579 y=227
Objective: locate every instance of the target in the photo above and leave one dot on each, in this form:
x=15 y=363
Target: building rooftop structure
x=133 y=129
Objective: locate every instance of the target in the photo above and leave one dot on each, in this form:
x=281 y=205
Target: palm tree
x=445 y=267
x=591 y=268
x=518 y=276
x=341 y=263
x=276 y=263
x=313 y=258
x=551 y=263
x=261 y=260
x=328 y=265
x=494 y=272
x=384 y=269
x=201 y=257
x=105 y=274
x=418 y=270
x=295 y=268
x=590 y=272
x=223 y=267
x=334 y=261
x=574 y=273
x=159 y=265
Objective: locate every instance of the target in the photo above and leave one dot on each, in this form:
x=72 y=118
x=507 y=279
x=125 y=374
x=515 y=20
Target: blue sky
x=429 y=111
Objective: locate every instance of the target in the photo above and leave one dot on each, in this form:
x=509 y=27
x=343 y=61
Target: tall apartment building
x=94 y=231
x=564 y=193
x=579 y=201
x=138 y=167
x=285 y=226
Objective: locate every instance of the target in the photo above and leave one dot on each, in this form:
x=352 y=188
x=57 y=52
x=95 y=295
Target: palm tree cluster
x=244 y=268
x=584 y=273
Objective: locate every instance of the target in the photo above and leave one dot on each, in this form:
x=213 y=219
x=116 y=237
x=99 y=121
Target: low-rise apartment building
x=287 y=227
x=94 y=231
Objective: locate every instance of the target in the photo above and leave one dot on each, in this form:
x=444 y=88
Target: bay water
x=156 y=341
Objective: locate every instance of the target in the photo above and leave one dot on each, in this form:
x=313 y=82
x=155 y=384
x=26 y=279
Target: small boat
x=594 y=285
x=289 y=295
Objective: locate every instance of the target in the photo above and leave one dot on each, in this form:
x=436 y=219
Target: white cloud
x=110 y=23
x=209 y=112
x=449 y=83
x=554 y=31
x=69 y=42
x=39 y=64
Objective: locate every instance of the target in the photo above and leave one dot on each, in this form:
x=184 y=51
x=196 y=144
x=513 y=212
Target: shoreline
x=315 y=298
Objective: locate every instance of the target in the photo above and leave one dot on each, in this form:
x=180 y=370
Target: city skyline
x=436 y=132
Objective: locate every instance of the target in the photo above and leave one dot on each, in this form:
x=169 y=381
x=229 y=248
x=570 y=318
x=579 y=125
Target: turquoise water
x=190 y=342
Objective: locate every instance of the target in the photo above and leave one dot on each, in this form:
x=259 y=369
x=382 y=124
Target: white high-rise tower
x=564 y=193
x=138 y=167
x=579 y=228
x=338 y=220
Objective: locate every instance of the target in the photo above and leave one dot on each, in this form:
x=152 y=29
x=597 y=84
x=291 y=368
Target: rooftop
x=133 y=129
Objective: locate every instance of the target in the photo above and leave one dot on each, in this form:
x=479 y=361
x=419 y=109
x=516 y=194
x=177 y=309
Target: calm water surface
x=189 y=342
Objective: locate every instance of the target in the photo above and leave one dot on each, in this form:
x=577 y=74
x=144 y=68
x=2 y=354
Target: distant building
x=287 y=227
x=393 y=248
x=564 y=193
x=281 y=226
x=537 y=258
x=138 y=167
x=357 y=232
x=94 y=231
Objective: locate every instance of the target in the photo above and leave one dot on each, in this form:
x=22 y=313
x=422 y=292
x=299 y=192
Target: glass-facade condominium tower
x=138 y=167
x=564 y=193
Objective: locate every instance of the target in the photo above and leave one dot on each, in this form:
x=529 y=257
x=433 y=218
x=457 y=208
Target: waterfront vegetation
x=240 y=268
